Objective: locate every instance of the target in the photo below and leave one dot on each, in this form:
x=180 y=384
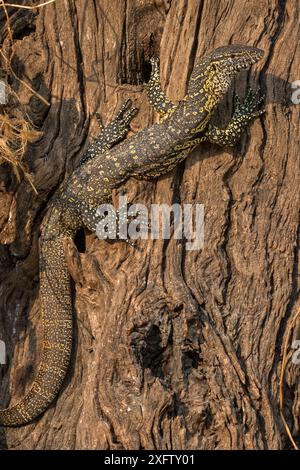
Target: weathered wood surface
x=174 y=348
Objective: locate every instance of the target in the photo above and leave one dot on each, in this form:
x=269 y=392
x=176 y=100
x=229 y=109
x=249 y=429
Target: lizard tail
x=56 y=304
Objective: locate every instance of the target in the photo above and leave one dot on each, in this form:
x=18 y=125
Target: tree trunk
x=174 y=349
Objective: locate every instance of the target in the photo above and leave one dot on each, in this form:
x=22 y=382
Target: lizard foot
x=248 y=110
x=111 y=134
x=123 y=226
x=244 y=112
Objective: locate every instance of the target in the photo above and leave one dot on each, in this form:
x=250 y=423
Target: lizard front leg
x=243 y=114
x=115 y=131
x=162 y=105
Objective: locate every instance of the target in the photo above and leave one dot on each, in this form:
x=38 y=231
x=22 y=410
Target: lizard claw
x=133 y=245
x=99 y=120
x=237 y=101
x=154 y=61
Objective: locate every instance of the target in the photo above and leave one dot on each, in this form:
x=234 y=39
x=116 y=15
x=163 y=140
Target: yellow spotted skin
x=56 y=306
x=150 y=153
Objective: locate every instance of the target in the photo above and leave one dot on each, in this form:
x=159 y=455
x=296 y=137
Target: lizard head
x=214 y=73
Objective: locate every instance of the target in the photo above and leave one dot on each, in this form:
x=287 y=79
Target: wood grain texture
x=173 y=348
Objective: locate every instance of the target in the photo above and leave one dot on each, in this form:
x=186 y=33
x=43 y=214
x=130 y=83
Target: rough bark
x=173 y=348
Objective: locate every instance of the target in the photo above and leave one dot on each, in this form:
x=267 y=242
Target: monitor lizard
x=105 y=166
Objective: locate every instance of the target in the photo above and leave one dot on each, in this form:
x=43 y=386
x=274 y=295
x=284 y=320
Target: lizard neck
x=191 y=116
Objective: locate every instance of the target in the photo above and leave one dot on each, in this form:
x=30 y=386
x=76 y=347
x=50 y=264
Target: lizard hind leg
x=162 y=105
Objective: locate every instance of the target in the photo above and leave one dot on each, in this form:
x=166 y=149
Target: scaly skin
x=150 y=153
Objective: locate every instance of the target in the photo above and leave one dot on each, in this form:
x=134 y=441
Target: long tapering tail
x=56 y=303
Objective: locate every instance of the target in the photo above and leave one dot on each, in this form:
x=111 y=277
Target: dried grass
x=27 y=7
x=16 y=129
x=15 y=134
